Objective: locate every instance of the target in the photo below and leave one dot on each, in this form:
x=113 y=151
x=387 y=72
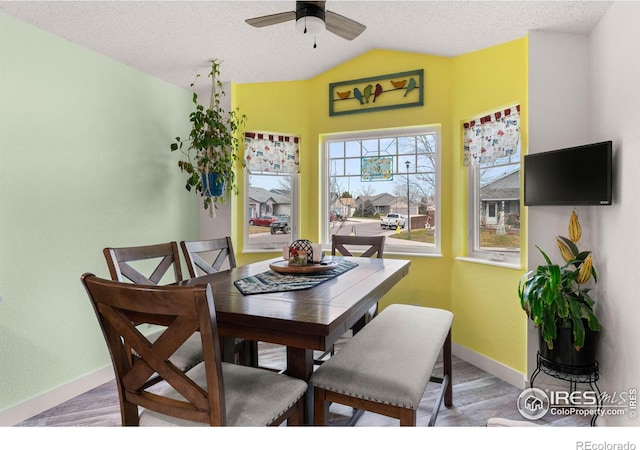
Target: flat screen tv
x=569 y=176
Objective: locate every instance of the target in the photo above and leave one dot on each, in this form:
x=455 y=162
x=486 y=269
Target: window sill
x=487 y=262
x=264 y=250
x=327 y=250
x=415 y=254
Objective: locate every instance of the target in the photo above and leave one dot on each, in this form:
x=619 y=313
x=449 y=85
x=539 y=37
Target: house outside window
x=271 y=216
x=270 y=193
x=492 y=152
x=370 y=174
x=494 y=193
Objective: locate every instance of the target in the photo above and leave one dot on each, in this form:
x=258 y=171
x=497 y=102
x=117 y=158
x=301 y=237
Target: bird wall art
x=399 y=90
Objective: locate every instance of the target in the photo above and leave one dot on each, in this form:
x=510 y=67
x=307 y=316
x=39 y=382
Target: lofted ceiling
x=174 y=40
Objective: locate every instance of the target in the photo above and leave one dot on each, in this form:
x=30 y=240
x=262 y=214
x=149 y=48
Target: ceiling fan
x=312 y=17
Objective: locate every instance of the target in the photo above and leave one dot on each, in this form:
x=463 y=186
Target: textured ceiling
x=175 y=39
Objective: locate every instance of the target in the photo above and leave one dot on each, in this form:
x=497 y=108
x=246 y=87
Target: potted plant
x=212 y=149
x=557 y=300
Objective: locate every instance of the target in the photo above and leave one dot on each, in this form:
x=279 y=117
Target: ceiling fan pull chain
x=314 y=42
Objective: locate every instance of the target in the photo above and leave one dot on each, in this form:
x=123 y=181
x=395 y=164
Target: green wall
x=483 y=297
x=84 y=164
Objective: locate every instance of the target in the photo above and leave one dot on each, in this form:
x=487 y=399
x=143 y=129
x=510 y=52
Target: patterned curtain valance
x=491 y=137
x=264 y=152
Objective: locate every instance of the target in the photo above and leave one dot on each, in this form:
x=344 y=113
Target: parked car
x=392 y=220
x=335 y=216
x=262 y=221
x=281 y=224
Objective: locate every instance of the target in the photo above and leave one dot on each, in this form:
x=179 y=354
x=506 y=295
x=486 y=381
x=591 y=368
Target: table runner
x=272 y=281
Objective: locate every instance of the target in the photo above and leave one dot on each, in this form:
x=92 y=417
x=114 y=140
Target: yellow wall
x=279 y=107
x=488 y=317
x=451 y=95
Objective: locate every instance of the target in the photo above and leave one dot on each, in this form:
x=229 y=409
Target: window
x=370 y=174
x=494 y=190
x=270 y=191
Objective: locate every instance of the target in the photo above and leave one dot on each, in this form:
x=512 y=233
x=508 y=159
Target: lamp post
x=406 y=163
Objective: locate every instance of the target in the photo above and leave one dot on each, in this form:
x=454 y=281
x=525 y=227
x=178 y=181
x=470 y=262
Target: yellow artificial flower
x=565 y=251
x=585 y=270
x=575 y=231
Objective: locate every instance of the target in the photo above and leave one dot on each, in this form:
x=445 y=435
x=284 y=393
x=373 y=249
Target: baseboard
x=41 y=403
x=25 y=410
x=489 y=365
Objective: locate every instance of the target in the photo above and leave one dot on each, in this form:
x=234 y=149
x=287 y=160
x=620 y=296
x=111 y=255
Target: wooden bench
x=385 y=368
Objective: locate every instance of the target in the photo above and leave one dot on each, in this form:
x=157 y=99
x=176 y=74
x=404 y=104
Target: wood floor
x=477 y=396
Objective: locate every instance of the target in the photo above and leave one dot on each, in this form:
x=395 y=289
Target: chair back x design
x=374 y=245
x=219 y=250
x=158 y=259
x=119 y=262
x=211 y=393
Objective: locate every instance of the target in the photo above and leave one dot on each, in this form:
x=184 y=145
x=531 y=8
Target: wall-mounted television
x=569 y=176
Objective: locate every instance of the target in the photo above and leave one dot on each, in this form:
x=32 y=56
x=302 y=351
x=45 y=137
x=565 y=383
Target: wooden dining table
x=302 y=320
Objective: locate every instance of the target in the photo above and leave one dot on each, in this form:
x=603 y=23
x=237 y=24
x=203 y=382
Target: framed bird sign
x=396 y=90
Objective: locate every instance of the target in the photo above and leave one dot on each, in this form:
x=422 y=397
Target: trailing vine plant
x=213 y=144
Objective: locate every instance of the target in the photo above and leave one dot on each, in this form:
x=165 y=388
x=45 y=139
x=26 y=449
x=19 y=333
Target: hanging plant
x=212 y=150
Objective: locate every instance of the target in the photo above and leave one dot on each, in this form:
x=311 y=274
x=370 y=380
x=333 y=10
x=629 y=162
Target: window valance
x=493 y=136
x=273 y=153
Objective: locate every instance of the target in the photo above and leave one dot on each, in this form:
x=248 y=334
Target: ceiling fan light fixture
x=310 y=17
x=310 y=25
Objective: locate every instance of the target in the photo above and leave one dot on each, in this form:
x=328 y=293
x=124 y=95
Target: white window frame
x=270 y=247
x=511 y=257
x=325 y=141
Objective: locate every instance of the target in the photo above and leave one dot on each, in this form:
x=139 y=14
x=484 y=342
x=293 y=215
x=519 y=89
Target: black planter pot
x=564 y=356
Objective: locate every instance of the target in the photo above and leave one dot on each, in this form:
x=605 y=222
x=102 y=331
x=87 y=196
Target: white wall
x=582 y=90
x=615 y=112
x=558 y=117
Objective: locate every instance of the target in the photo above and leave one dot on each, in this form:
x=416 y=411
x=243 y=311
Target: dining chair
x=198 y=255
x=150 y=265
x=366 y=247
x=155 y=259
x=369 y=246
x=211 y=393
x=208 y=257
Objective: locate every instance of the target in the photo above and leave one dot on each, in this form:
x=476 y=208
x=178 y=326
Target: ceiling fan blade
x=343 y=26
x=271 y=19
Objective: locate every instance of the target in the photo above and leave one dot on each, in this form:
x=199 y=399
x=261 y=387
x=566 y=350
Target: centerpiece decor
x=301 y=252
